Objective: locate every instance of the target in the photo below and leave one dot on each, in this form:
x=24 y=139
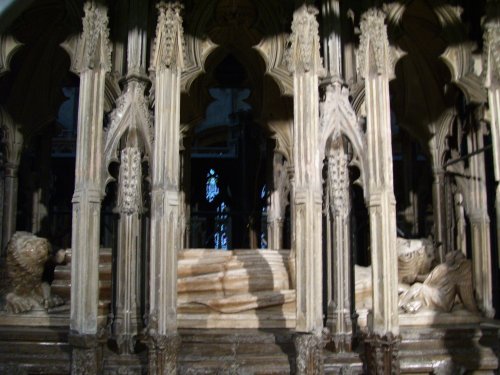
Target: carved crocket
x=24 y=289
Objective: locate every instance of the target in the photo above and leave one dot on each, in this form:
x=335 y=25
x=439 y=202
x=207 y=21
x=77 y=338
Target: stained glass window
x=221 y=240
x=212 y=190
x=263 y=218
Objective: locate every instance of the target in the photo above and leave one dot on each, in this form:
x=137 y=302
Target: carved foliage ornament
x=338 y=184
x=492 y=54
x=302 y=54
x=95 y=48
x=374 y=54
x=169 y=45
x=130 y=200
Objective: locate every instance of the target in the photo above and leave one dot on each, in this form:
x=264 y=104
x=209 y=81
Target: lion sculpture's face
x=26 y=256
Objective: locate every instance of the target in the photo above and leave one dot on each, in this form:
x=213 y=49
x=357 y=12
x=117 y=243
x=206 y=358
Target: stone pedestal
x=85 y=356
x=381 y=354
x=309 y=354
x=163 y=353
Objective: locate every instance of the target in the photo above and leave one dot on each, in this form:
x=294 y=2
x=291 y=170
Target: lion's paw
x=18 y=304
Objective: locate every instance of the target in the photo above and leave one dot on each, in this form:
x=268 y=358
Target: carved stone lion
x=24 y=289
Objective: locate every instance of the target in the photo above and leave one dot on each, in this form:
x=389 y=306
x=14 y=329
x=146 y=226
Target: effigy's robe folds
x=219 y=289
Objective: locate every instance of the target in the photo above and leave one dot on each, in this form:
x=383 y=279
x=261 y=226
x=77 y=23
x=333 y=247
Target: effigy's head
x=430 y=255
x=415 y=256
x=454 y=257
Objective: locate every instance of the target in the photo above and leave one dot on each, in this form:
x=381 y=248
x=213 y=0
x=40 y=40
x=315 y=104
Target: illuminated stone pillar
x=375 y=65
x=167 y=63
x=305 y=64
x=93 y=62
x=492 y=82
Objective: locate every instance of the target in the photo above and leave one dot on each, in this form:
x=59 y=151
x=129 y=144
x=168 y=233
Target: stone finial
x=374 y=54
x=302 y=54
x=169 y=44
x=95 y=47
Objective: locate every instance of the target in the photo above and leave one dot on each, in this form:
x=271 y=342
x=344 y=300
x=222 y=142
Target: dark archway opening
x=228 y=167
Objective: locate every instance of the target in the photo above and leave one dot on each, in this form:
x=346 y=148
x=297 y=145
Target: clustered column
x=277 y=202
x=375 y=65
x=304 y=62
x=94 y=60
x=480 y=224
x=339 y=307
x=127 y=317
x=167 y=63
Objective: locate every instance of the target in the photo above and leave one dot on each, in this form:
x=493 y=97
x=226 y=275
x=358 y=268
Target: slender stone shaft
x=480 y=226
x=13 y=149
x=167 y=63
x=376 y=68
x=93 y=62
x=339 y=306
x=305 y=64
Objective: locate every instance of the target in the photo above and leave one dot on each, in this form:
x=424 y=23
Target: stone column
x=127 y=320
x=167 y=63
x=480 y=224
x=304 y=62
x=93 y=61
x=131 y=117
x=278 y=199
x=375 y=65
x=185 y=193
x=13 y=150
x=339 y=306
x=492 y=82
x=40 y=212
x=439 y=212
